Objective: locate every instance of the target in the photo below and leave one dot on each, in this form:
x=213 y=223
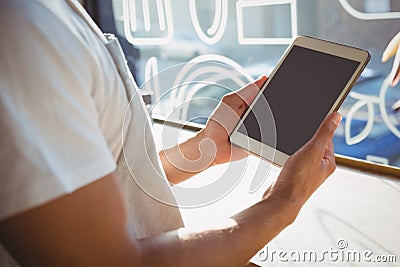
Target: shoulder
x=49 y=123
x=38 y=44
x=20 y=17
x=34 y=24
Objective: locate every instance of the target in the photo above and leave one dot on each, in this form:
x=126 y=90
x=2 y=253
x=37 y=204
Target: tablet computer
x=310 y=81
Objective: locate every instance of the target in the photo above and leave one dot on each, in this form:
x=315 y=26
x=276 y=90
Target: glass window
x=200 y=40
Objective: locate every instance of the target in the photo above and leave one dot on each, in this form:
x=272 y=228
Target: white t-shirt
x=63 y=100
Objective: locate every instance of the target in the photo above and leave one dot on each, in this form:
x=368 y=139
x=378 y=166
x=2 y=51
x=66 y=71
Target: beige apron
x=139 y=169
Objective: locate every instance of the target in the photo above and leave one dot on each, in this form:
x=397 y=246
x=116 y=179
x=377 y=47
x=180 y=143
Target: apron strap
x=77 y=7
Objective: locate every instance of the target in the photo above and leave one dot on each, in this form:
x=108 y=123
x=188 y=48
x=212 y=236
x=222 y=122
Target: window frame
x=99 y=10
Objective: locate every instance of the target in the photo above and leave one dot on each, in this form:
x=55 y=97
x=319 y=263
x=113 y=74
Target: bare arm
x=184 y=160
x=89 y=227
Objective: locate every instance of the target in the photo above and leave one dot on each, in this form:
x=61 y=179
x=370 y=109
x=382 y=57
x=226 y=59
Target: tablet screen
x=300 y=95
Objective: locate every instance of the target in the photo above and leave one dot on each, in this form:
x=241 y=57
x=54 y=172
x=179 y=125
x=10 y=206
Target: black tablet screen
x=300 y=94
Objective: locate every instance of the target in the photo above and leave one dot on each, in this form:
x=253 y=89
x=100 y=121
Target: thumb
x=261 y=80
x=248 y=93
x=326 y=130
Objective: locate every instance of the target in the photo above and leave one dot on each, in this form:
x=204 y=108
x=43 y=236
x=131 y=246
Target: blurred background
x=247 y=38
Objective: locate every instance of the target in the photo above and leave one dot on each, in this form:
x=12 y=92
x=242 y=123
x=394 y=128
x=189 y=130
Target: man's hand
x=309 y=167
x=224 y=119
x=211 y=145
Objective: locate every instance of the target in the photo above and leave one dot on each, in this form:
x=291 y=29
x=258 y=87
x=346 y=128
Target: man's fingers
x=236 y=103
x=261 y=80
x=325 y=132
x=330 y=146
x=248 y=93
x=329 y=150
x=329 y=158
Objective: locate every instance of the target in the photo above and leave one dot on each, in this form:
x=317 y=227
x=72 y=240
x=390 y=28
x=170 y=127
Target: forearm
x=232 y=244
x=185 y=160
x=75 y=231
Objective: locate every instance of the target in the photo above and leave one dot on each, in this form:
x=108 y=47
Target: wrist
x=206 y=147
x=288 y=204
x=267 y=218
x=197 y=153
